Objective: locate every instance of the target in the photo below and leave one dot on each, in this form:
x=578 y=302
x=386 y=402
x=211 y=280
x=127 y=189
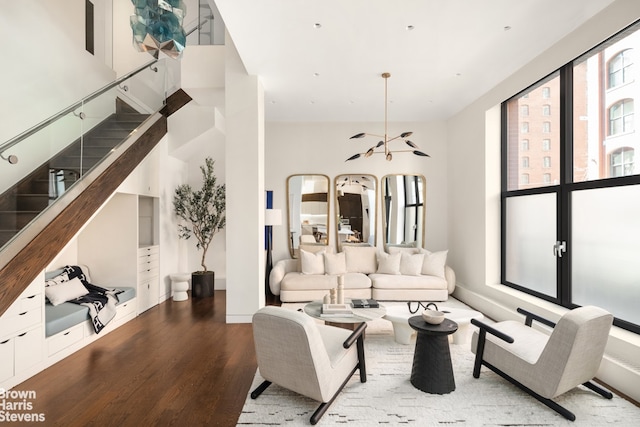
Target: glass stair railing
x=41 y=164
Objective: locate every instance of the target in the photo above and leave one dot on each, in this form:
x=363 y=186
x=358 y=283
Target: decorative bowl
x=433 y=317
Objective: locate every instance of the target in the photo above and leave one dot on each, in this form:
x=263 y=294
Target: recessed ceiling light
x=507 y=27
x=317 y=25
x=410 y=27
x=316 y=74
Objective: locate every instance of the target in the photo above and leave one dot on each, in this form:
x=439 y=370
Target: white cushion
x=434 y=263
x=312 y=263
x=361 y=259
x=411 y=264
x=388 y=263
x=65 y=291
x=335 y=263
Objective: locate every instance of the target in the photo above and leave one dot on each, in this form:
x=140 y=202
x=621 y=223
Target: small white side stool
x=180 y=286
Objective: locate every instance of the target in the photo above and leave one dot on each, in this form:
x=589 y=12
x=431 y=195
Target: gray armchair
x=545 y=366
x=314 y=360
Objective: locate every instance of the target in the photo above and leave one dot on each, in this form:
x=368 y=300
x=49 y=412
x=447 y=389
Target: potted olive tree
x=203 y=213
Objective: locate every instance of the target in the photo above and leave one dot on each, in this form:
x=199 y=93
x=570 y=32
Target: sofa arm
x=450 y=276
x=278 y=272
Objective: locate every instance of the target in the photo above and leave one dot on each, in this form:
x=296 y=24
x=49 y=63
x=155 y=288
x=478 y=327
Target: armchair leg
x=601 y=391
x=361 y=363
x=258 y=391
x=479 y=353
x=325 y=405
x=550 y=403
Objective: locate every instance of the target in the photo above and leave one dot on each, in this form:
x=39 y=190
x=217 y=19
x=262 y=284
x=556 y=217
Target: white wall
x=244 y=162
x=321 y=148
x=474 y=203
x=45 y=69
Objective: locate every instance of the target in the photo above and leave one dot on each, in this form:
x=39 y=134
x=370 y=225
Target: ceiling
x=322 y=60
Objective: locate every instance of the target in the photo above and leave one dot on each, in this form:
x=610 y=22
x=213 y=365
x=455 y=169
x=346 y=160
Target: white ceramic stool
x=180 y=286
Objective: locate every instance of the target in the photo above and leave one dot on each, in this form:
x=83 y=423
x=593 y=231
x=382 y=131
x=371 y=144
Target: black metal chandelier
x=385 y=139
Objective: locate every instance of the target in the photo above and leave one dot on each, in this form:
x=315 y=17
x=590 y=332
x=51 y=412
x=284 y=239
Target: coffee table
x=432 y=371
x=361 y=315
x=399 y=316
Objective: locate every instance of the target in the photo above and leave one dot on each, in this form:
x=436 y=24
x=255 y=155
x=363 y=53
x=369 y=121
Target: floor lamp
x=271 y=217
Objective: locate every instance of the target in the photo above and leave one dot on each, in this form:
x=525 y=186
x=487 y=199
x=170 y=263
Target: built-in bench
x=66 y=315
x=63 y=316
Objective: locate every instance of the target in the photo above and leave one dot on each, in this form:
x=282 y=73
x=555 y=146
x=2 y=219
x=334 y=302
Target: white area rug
x=388 y=398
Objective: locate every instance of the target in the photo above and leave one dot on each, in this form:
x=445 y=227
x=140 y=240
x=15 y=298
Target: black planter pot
x=202 y=284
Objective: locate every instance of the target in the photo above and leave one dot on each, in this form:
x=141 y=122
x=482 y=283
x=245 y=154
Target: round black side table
x=432 y=371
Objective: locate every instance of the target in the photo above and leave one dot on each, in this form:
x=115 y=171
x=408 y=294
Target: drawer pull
x=22 y=334
x=4 y=342
x=31 y=297
x=66 y=333
x=22 y=314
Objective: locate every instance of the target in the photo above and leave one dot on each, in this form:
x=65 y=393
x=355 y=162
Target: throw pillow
x=411 y=264
x=361 y=259
x=312 y=263
x=434 y=263
x=64 y=291
x=335 y=263
x=388 y=263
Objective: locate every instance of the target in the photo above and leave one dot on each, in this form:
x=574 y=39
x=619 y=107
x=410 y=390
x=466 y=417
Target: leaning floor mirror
x=308 y=209
x=403 y=210
x=355 y=210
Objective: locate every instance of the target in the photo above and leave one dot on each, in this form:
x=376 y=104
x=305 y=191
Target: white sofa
x=405 y=274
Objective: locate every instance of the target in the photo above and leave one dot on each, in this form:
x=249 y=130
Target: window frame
x=565 y=185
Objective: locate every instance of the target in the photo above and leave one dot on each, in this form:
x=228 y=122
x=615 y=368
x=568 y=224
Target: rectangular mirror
x=403 y=210
x=356 y=209
x=308 y=206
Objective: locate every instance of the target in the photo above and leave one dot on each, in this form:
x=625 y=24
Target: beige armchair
x=301 y=355
x=545 y=366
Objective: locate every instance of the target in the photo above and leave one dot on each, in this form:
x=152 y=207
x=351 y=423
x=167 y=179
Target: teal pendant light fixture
x=385 y=139
x=157 y=27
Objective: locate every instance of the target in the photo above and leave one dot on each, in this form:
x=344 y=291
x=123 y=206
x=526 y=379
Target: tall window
x=538 y=127
x=621 y=68
x=621 y=117
x=580 y=196
x=621 y=162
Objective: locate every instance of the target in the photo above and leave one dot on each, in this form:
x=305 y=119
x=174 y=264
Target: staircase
x=20 y=204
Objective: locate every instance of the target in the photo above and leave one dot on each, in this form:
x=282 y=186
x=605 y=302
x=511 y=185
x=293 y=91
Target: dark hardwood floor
x=179 y=363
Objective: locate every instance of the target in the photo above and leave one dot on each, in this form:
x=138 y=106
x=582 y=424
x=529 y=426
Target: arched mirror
x=355 y=209
x=403 y=210
x=308 y=205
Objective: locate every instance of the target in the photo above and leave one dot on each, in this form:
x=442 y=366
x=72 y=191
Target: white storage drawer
x=30 y=302
x=125 y=309
x=147 y=250
x=148 y=265
x=21 y=321
x=64 y=339
x=146 y=276
x=36 y=287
